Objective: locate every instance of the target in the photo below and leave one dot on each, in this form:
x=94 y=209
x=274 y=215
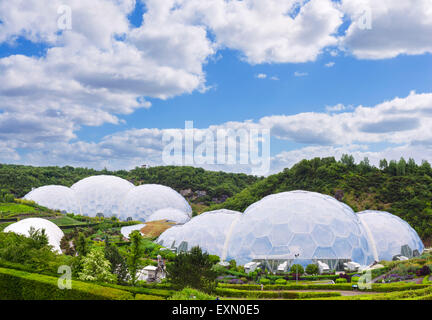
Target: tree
x=66 y=247
x=39 y=237
x=134 y=255
x=348 y=160
x=81 y=245
x=192 y=269
x=383 y=164
x=96 y=268
x=118 y=263
x=312 y=269
x=297 y=268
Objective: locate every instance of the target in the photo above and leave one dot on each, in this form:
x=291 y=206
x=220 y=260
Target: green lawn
x=66 y=221
x=7 y=209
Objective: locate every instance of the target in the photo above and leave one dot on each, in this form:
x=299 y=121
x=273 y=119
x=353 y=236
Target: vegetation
x=192 y=269
x=403 y=188
x=95 y=267
x=18 y=180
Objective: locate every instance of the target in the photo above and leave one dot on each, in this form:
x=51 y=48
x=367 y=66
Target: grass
x=66 y=221
x=9 y=209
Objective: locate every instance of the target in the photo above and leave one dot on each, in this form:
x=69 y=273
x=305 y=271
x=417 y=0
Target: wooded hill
x=403 y=188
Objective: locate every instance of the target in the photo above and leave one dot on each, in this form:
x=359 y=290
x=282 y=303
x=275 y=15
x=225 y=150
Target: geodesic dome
x=142 y=201
x=170 y=214
x=312 y=225
x=209 y=230
x=389 y=235
x=53 y=232
x=101 y=194
x=56 y=198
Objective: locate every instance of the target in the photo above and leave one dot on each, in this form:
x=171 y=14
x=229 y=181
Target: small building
x=151 y=273
x=251 y=266
x=351 y=266
x=323 y=267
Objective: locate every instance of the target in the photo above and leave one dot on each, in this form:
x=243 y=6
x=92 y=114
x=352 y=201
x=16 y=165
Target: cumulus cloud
x=300 y=74
x=396 y=27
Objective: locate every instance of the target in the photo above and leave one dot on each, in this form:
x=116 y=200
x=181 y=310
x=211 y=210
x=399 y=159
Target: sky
x=100 y=83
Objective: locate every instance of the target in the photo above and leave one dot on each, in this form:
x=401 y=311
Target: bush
x=423 y=271
x=226 y=292
x=355 y=279
x=191 y=294
x=312 y=269
x=264 y=281
x=296 y=268
x=341 y=280
x=20 y=285
x=280 y=281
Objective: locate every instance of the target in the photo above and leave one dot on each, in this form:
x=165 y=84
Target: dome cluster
x=53 y=232
x=209 y=230
x=299 y=227
x=112 y=196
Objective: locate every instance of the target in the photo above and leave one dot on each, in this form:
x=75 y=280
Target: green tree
x=118 y=263
x=81 y=245
x=96 y=268
x=297 y=268
x=383 y=164
x=134 y=254
x=348 y=160
x=312 y=269
x=39 y=237
x=192 y=269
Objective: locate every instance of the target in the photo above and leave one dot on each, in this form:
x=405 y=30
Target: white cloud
x=261 y=76
x=300 y=74
x=330 y=64
x=397 y=27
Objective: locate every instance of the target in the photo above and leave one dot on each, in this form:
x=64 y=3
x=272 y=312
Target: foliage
x=264 y=281
x=226 y=292
x=280 y=281
x=18 y=180
x=191 y=294
x=341 y=280
x=118 y=263
x=192 y=269
x=95 y=267
x=20 y=285
x=406 y=193
x=312 y=269
x=134 y=255
x=297 y=269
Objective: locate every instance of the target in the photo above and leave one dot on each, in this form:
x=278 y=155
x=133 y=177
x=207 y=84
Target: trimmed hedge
x=273 y=294
x=377 y=287
x=136 y=291
x=20 y=285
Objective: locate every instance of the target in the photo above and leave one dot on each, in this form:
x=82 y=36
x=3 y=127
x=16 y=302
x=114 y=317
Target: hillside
x=196 y=184
x=402 y=188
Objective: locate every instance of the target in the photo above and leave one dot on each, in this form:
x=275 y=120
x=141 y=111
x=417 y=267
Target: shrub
x=20 y=285
x=264 y=281
x=280 y=281
x=355 y=279
x=312 y=269
x=423 y=271
x=191 y=294
x=341 y=280
x=226 y=292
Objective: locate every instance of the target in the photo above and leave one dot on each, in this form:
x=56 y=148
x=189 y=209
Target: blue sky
x=132 y=76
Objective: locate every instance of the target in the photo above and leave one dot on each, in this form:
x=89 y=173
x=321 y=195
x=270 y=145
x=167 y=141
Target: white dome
x=126 y=231
x=101 y=194
x=55 y=198
x=209 y=230
x=53 y=232
x=313 y=225
x=142 y=201
x=170 y=214
x=389 y=235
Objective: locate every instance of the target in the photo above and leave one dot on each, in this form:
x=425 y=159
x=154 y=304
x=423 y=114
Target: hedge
x=377 y=287
x=141 y=290
x=419 y=294
x=273 y=294
x=21 y=285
